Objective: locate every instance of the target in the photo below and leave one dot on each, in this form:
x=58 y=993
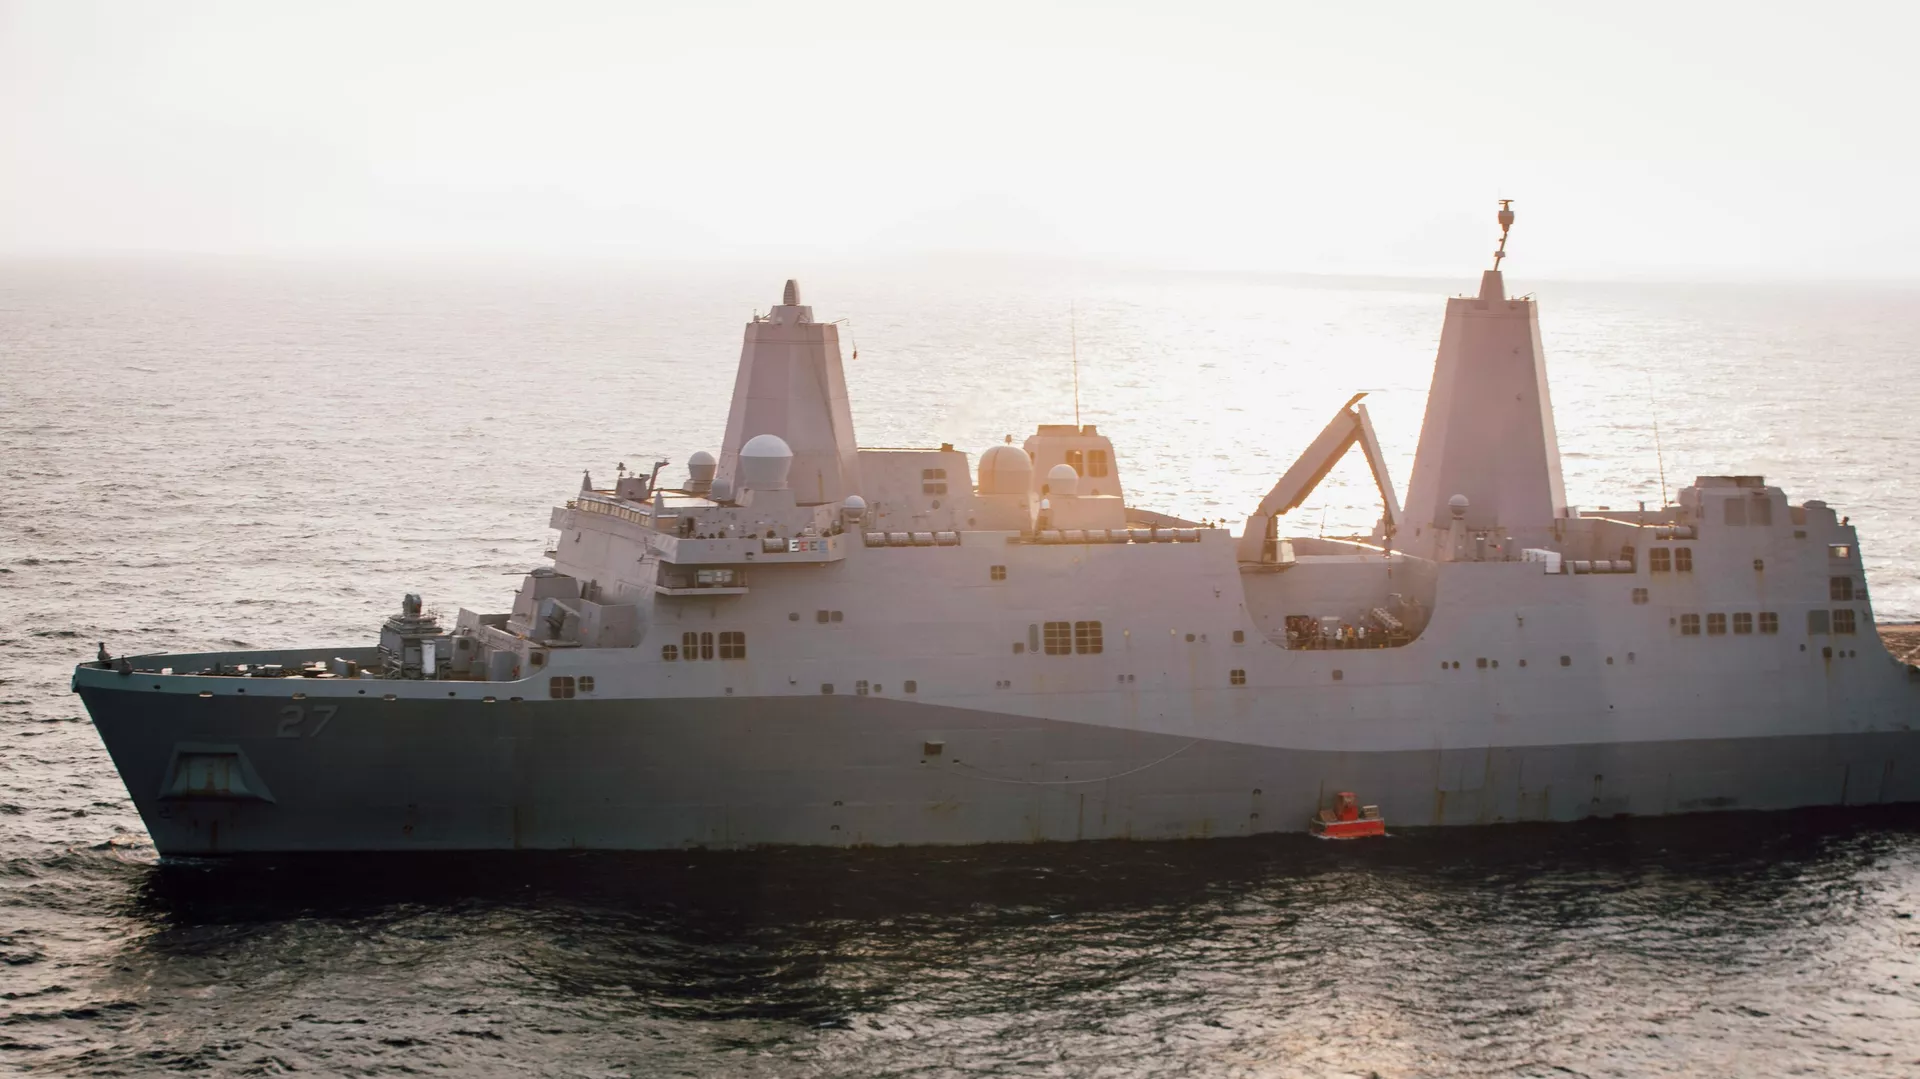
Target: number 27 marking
x=292 y=716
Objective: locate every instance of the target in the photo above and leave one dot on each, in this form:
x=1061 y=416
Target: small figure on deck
x=105 y=657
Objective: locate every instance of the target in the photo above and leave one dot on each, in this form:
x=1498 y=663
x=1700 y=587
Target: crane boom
x=1259 y=543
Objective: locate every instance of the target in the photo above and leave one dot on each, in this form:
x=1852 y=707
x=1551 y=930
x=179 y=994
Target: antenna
x=1073 y=329
x=1660 y=458
x=1506 y=222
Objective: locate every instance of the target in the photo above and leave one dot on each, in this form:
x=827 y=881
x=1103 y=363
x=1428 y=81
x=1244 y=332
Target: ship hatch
x=220 y=773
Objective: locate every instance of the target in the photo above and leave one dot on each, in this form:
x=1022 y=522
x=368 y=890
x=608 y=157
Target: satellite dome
x=764 y=462
x=700 y=470
x=854 y=504
x=1062 y=479
x=722 y=491
x=1458 y=504
x=1005 y=470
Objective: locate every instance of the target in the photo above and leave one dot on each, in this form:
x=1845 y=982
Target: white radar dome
x=700 y=469
x=1458 y=504
x=764 y=462
x=1005 y=470
x=1063 y=480
x=854 y=504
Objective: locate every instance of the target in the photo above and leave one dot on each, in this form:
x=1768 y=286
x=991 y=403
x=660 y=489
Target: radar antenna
x=1506 y=222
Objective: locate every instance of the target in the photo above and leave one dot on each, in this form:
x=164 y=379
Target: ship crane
x=1261 y=540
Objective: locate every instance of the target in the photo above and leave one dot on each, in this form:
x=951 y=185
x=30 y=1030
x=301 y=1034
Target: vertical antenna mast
x=1506 y=222
x=1660 y=459
x=1073 y=330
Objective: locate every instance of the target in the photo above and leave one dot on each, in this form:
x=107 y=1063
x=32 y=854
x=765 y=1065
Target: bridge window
x=1843 y=620
x=669 y=652
x=1639 y=595
x=1817 y=623
x=1237 y=677
x=1086 y=638
x=1689 y=625
x=1683 y=560
x=1096 y=463
x=1736 y=512
x=1059 y=638
x=1716 y=625
x=560 y=687
x=1742 y=622
x=1659 y=560
x=997 y=573
x=733 y=645
x=933 y=481
x=1839 y=551
x=1769 y=621
x=1077 y=461
x=1762 y=511
x=1840 y=589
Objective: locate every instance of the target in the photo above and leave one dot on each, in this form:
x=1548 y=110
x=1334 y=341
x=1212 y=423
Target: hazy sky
x=1656 y=140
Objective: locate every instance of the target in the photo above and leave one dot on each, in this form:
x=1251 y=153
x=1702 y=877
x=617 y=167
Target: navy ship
x=806 y=642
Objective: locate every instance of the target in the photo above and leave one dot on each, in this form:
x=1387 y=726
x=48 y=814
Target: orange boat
x=1348 y=819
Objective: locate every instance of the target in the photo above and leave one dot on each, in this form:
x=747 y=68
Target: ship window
x=1839 y=551
x=1033 y=637
x=1840 y=589
x=1716 y=625
x=539 y=658
x=1843 y=620
x=586 y=683
x=1059 y=636
x=690 y=645
x=1769 y=621
x=733 y=645
x=706 y=646
x=1683 y=560
x=911 y=686
x=1566 y=661
x=1762 y=512
x=933 y=489
x=560 y=687
x=1481 y=663
x=1338 y=675
x=670 y=652
x=1237 y=677
x=932 y=474
x=1759 y=566
x=860 y=688
x=1019 y=648
x=1239 y=636
x=1817 y=623
x=997 y=573
x=1659 y=560
x=1086 y=638
x=826 y=687
x=1096 y=463
x=1736 y=511
x=1742 y=622
x=1640 y=595
x=837 y=616
x=1689 y=625
x=1077 y=461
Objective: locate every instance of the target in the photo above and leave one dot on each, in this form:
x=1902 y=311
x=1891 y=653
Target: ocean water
x=204 y=454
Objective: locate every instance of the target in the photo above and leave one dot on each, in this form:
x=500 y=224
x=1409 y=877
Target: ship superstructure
x=810 y=643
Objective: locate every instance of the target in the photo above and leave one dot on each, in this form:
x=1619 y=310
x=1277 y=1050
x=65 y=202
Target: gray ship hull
x=272 y=774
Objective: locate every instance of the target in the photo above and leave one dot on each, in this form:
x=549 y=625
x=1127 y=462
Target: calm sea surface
x=203 y=455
